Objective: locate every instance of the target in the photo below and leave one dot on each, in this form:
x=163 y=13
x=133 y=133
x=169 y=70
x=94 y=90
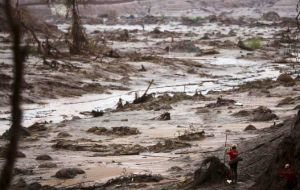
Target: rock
x=43 y=157
x=285 y=79
x=163 y=107
x=216 y=172
x=221 y=102
x=119 y=131
x=207 y=52
x=116 y=183
x=168 y=145
x=259 y=114
x=263 y=114
x=37 y=127
x=271 y=16
x=68 y=173
x=48 y=165
x=123 y=131
x=286 y=101
x=63 y=135
x=97 y=113
x=24 y=132
x=97 y=130
x=164 y=117
x=34 y=186
x=192 y=136
x=250 y=128
x=185 y=46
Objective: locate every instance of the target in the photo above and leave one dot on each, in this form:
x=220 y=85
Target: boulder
x=63 y=135
x=43 y=157
x=285 y=79
x=68 y=173
x=271 y=16
x=212 y=171
x=48 y=165
x=250 y=128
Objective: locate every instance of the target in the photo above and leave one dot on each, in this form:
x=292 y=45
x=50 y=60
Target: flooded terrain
x=155 y=100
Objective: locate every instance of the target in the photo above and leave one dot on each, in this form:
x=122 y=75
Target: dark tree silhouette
x=18 y=59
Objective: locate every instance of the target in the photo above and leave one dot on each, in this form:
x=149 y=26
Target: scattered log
x=144 y=97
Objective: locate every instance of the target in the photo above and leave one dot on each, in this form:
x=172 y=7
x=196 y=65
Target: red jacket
x=232 y=154
x=288 y=174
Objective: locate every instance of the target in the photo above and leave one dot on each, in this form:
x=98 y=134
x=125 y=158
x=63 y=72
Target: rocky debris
x=221 y=102
x=259 y=114
x=154 y=103
x=118 y=131
x=288 y=151
x=261 y=86
x=157 y=33
x=123 y=181
x=168 y=145
x=68 y=173
x=48 y=165
x=192 y=21
x=163 y=107
x=43 y=157
x=97 y=113
x=271 y=16
x=286 y=101
x=192 y=136
x=286 y=79
x=250 y=128
x=102 y=150
x=164 y=117
x=212 y=171
x=185 y=46
x=207 y=52
x=63 y=135
x=37 y=127
x=24 y=132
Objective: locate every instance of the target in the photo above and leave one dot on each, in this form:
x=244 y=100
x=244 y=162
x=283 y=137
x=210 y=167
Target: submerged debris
x=221 y=102
x=192 y=136
x=259 y=114
x=123 y=181
x=119 y=131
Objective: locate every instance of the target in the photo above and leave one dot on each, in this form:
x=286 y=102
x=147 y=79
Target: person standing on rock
x=233 y=163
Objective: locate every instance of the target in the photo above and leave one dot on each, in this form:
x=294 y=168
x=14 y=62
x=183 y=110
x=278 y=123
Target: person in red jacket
x=233 y=162
x=288 y=174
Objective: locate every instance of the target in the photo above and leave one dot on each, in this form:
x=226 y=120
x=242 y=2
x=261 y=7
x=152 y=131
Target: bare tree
x=77 y=31
x=18 y=59
x=298 y=14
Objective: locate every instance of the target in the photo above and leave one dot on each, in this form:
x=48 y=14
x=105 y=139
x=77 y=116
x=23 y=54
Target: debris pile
x=118 y=131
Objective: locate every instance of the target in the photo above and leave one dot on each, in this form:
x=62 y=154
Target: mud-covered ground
x=206 y=85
